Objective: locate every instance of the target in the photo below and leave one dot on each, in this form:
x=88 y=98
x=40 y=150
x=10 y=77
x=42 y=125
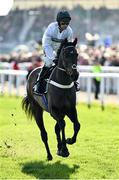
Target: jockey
x=52 y=38
x=54 y=34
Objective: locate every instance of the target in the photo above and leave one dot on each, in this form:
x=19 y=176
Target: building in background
x=26 y=4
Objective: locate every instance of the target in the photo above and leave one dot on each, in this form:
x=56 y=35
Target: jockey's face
x=64 y=24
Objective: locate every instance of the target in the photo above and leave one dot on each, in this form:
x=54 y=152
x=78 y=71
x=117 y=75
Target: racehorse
x=60 y=99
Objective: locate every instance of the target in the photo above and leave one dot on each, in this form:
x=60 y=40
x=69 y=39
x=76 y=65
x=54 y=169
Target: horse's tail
x=31 y=107
x=29 y=104
x=27 y=107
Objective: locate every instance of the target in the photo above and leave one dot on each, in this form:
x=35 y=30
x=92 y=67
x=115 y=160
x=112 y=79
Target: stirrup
x=39 y=93
x=39 y=89
x=35 y=90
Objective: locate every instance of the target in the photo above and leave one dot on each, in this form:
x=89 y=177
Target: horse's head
x=68 y=56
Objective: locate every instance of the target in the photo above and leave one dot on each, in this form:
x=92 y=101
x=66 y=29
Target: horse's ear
x=75 y=41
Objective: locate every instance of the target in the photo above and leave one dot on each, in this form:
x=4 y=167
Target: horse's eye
x=72 y=52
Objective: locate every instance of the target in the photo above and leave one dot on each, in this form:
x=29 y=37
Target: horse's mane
x=65 y=43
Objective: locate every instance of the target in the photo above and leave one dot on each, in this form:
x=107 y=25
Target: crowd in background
x=106 y=56
x=14 y=30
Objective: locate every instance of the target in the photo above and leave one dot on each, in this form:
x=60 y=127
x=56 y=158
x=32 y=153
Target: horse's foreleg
x=59 y=143
x=39 y=121
x=60 y=128
x=64 y=151
x=72 y=114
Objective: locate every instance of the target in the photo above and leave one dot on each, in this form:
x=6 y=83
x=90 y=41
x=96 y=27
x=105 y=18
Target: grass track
x=22 y=153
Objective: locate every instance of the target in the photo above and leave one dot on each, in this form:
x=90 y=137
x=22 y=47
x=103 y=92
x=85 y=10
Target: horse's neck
x=61 y=75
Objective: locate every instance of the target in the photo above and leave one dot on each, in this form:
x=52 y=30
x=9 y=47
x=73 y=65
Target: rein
x=61 y=69
x=57 y=84
x=61 y=85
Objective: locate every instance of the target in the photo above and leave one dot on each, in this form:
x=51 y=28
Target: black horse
x=60 y=99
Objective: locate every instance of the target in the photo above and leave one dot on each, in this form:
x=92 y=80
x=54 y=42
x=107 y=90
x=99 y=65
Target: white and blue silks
x=52 y=39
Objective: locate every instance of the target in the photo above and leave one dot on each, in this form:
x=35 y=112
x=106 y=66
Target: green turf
x=22 y=153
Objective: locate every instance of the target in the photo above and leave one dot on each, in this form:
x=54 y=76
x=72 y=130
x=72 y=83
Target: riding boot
x=40 y=86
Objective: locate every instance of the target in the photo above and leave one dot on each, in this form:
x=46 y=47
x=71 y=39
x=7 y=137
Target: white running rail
x=13 y=79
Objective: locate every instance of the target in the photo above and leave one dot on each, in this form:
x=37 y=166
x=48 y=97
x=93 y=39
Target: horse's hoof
x=70 y=141
x=49 y=158
x=59 y=152
x=63 y=153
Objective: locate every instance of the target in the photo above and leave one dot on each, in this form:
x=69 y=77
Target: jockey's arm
x=70 y=35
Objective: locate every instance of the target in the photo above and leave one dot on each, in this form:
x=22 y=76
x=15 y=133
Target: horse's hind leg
x=39 y=120
x=72 y=114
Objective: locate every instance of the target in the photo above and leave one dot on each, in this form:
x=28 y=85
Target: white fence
x=110 y=83
x=112 y=69
x=82 y=68
x=14 y=82
x=104 y=78
x=11 y=82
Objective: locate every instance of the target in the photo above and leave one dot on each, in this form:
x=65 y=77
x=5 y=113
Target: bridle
x=62 y=86
x=74 y=66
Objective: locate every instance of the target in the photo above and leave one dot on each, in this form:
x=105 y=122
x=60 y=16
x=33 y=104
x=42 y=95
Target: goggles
x=64 y=23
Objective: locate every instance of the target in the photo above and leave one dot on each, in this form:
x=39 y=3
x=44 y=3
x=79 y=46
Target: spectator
x=36 y=62
x=96 y=80
x=15 y=65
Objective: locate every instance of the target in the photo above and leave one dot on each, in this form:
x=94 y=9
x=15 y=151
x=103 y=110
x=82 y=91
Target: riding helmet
x=63 y=15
